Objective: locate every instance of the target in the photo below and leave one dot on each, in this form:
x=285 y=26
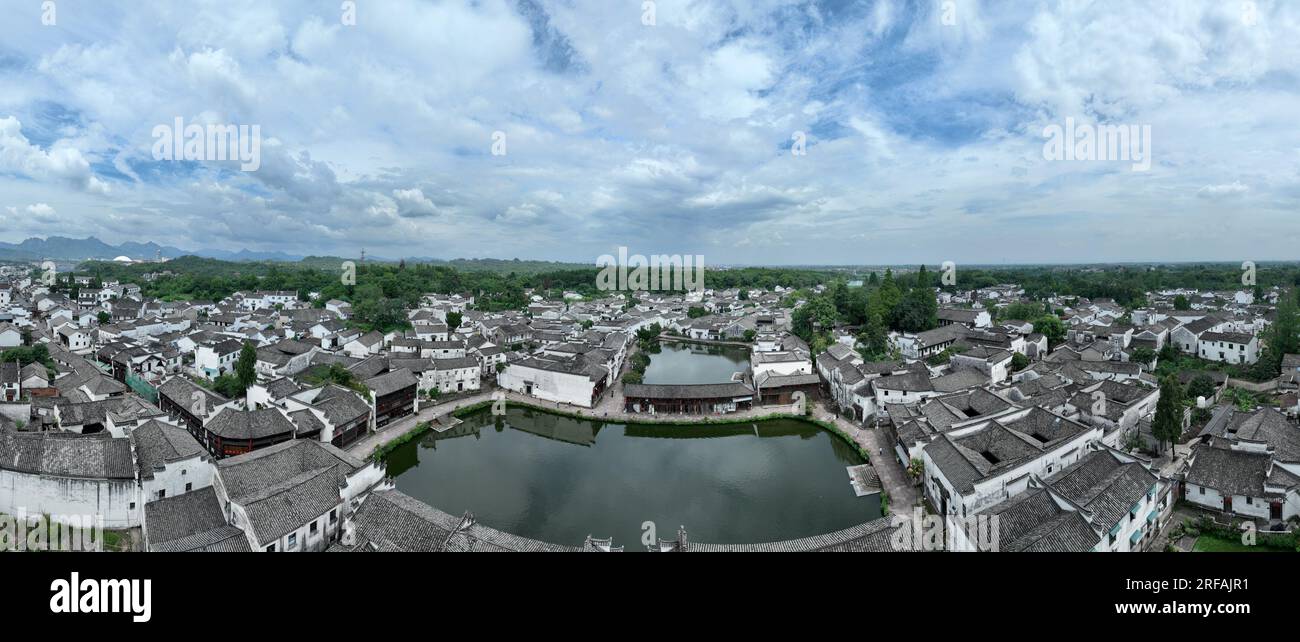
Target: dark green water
x=559 y=479
x=695 y=363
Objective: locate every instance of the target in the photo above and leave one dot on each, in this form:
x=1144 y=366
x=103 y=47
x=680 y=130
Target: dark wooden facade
x=695 y=399
x=395 y=405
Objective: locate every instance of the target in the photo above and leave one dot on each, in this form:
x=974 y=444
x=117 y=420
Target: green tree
x=1167 y=426
x=228 y=386
x=917 y=311
x=1181 y=303
x=1019 y=362
x=246 y=366
x=887 y=297
x=375 y=310
x=1143 y=355
x=102 y=317
x=1281 y=338
x=873 y=341
x=814 y=317
x=1052 y=328
x=453 y=320
x=1201 y=386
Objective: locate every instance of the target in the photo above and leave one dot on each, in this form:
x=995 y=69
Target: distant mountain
x=64 y=248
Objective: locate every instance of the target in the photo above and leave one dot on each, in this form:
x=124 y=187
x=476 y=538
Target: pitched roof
x=873 y=536
x=191 y=521
x=389 y=520
x=1104 y=485
x=1001 y=444
x=286 y=485
x=391 y=382
x=1033 y=521
x=1229 y=471
x=158 y=444
x=66 y=455
x=249 y=424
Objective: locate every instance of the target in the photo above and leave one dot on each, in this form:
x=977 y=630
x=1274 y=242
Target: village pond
x=559 y=479
x=681 y=363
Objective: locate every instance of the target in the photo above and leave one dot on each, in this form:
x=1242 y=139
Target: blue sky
x=923 y=123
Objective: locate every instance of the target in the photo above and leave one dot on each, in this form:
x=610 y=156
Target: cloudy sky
x=922 y=122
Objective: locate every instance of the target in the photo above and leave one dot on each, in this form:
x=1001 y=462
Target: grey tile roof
x=158 y=444
x=1034 y=522
x=249 y=424
x=910 y=382
x=180 y=390
x=1104 y=485
x=392 y=521
x=455 y=363
x=284 y=507
x=245 y=474
x=959 y=380
x=1229 y=471
x=191 y=522
x=873 y=536
x=284 y=486
x=1270 y=427
x=999 y=445
x=391 y=382
x=66 y=455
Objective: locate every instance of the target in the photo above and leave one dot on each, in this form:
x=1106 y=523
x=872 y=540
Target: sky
x=748 y=132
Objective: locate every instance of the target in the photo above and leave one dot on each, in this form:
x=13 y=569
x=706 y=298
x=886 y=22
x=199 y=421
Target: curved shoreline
x=871 y=535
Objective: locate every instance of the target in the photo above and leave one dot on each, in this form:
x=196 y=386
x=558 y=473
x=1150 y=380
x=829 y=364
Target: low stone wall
x=1267 y=386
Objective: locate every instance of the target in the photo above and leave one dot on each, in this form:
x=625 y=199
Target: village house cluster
x=124 y=421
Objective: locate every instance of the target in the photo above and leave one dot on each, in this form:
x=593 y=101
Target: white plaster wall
x=118 y=501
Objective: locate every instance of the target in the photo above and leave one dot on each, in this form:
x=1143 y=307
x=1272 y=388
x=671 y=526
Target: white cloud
x=1223 y=190
x=924 y=138
x=413 y=202
x=60 y=162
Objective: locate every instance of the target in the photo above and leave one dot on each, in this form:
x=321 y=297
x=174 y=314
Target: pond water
x=559 y=479
x=695 y=363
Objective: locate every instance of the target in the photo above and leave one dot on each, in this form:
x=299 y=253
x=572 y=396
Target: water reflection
x=559 y=479
x=695 y=363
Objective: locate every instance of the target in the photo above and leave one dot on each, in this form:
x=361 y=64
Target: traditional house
x=704 y=398
x=235 y=432
x=975 y=467
x=573 y=380
x=393 y=395
x=295 y=495
x=169 y=461
x=1106 y=501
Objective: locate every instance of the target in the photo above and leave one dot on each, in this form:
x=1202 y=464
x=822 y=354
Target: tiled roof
x=66 y=455
x=391 y=521
x=191 y=522
x=158 y=444
x=1229 y=471
x=249 y=424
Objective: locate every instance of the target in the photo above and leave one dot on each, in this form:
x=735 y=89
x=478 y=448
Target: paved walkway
x=365 y=446
x=903 y=496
